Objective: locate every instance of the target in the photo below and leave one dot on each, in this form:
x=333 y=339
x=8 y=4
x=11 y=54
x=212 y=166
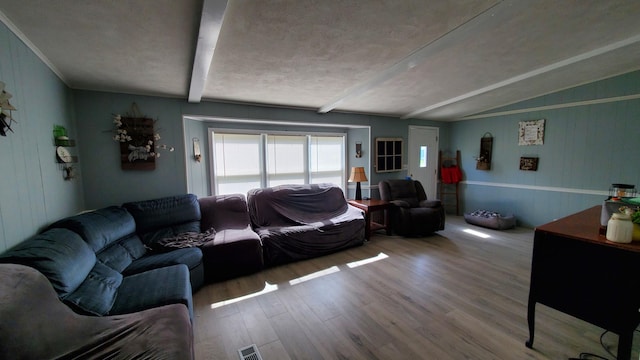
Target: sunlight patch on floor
x=378 y=257
x=477 y=233
x=270 y=288
x=314 y=275
x=267 y=289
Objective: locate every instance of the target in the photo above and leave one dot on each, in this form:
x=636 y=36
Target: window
x=326 y=159
x=388 y=154
x=286 y=160
x=244 y=161
x=236 y=162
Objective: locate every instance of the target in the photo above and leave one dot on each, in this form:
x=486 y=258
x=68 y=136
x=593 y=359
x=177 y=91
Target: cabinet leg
x=624 y=345
x=531 y=320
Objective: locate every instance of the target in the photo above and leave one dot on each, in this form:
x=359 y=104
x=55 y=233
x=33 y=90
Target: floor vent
x=249 y=353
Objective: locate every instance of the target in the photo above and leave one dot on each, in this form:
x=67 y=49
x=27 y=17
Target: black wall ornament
x=5 y=117
x=483 y=161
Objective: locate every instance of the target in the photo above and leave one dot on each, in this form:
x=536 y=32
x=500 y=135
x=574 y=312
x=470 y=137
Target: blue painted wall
x=587 y=147
x=106 y=184
x=33 y=192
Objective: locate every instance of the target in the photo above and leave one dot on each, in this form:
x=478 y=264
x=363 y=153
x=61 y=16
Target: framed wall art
x=531 y=132
x=529 y=163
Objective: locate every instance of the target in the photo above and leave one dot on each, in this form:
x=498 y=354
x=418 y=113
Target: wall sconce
x=358 y=149
x=197 y=155
x=357 y=175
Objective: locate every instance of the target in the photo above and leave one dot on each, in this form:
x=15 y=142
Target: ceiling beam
x=210 y=25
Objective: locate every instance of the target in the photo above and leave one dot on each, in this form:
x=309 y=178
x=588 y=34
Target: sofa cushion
x=97 y=292
x=222 y=212
x=141 y=291
x=192 y=257
x=60 y=254
x=99 y=228
x=153 y=215
x=122 y=253
x=232 y=253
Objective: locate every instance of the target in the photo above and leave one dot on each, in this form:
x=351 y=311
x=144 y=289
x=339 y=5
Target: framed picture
x=531 y=132
x=529 y=163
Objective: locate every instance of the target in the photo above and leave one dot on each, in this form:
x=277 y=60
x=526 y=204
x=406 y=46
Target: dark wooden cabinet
x=577 y=271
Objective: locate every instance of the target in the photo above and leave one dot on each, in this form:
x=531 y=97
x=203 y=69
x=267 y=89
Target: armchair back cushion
x=409 y=191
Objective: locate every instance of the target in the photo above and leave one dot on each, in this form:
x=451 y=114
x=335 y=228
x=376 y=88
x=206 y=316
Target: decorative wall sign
x=531 y=132
x=139 y=147
x=529 y=163
x=138 y=151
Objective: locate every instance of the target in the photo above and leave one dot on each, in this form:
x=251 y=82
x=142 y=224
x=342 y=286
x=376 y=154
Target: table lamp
x=357 y=175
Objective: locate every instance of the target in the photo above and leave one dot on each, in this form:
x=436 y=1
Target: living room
x=590 y=131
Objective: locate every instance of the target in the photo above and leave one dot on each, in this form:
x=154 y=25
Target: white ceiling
x=436 y=59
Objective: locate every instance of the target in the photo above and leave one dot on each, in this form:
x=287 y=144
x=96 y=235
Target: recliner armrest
x=430 y=203
x=400 y=203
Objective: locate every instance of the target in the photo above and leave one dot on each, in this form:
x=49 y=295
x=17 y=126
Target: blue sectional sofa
x=98 y=264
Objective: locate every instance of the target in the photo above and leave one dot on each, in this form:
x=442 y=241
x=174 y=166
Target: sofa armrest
x=400 y=203
x=430 y=203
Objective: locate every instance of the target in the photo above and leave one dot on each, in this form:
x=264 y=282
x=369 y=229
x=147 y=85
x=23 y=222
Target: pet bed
x=490 y=219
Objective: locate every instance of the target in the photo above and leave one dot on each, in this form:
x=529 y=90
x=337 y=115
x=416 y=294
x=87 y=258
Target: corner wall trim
x=537 y=188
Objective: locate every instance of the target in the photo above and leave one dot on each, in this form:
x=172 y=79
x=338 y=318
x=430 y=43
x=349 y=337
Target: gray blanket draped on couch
x=298 y=222
x=37 y=325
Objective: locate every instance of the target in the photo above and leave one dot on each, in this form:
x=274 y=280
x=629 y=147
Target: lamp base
x=358 y=191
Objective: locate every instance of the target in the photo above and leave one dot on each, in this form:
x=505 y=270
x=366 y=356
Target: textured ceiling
x=432 y=59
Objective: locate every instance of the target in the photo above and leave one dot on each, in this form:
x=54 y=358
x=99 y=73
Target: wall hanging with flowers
x=139 y=144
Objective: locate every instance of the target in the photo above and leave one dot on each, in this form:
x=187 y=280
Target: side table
x=370 y=206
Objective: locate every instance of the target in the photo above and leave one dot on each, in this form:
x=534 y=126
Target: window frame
x=263 y=152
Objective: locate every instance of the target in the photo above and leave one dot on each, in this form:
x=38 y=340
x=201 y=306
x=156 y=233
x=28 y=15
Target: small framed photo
x=529 y=163
x=531 y=132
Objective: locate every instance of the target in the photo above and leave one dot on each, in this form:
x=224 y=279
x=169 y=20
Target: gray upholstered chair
x=411 y=213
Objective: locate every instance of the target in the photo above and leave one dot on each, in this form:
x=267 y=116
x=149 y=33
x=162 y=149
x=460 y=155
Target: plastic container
x=622 y=190
x=620 y=228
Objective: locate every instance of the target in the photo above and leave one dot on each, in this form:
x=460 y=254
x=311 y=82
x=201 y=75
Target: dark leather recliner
x=411 y=213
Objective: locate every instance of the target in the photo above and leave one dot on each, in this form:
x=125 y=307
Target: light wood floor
x=452 y=295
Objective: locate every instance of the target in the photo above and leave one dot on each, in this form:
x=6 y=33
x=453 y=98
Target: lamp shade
x=357 y=174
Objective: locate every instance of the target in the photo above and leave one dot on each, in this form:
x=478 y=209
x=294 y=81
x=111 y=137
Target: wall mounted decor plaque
x=529 y=163
x=531 y=132
x=138 y=152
